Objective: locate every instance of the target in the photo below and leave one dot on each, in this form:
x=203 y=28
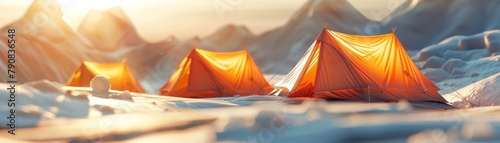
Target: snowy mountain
x=117 y=34
x=47 y=48
x=52 y=50
x=418 y=25
x=115 y=30
x=290 y=41
x=44 y=17
x=228 y=38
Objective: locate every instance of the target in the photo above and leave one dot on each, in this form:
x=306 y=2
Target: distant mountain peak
x=231 y=29
x=118 y=12
x=115 y=30
x=49 y=7
x=195 y=39
x=384 y=9
x=44 y=17
x=229 y=37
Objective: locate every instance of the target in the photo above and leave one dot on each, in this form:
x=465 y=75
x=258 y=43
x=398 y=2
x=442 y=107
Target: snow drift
x=49 y=112
x=485 y=92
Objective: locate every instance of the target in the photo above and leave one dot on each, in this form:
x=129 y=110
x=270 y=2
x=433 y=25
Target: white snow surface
x=64 y=115
x=485 y=92
x=47 y=111
x=479 y=85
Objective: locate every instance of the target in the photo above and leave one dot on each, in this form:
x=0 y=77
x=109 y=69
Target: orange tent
x=211 y=74
x=353 y=67
x=118 y=74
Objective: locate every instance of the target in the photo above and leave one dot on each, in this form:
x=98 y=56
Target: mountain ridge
x=424 y=24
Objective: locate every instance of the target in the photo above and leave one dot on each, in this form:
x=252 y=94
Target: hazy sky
x=158 y=19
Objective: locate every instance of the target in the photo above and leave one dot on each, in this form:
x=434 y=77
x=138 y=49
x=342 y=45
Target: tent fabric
x=212 y=74
x=118 y=74
x=354 y=67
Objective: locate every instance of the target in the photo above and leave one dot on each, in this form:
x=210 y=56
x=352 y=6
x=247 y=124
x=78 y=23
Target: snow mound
x=462 y=47
x=46 y=86
x=41 y=101
x=472 y=42
x=485 y=92
x=466 y=55
x=434 y=62
x=440 y=48
x=125 y=95
x=457 y=73
x=100 y=86
x=492 y=41
x=436 y=74
x=452 y=64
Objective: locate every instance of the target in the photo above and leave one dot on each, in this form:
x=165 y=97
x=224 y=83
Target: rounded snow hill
x=434 y=62
x=41 y=101
x=452 y=64
x=472 y=42
x=436 y=74
x=449 y=44
x=492 y=41
x=485 y=92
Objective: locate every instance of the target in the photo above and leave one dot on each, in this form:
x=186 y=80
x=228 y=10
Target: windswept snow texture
x=468 y=78
x=49 y=112
x=485 y=92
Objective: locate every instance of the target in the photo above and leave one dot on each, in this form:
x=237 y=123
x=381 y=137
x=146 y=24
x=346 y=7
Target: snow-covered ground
x=47 y=111
x=466 y=67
